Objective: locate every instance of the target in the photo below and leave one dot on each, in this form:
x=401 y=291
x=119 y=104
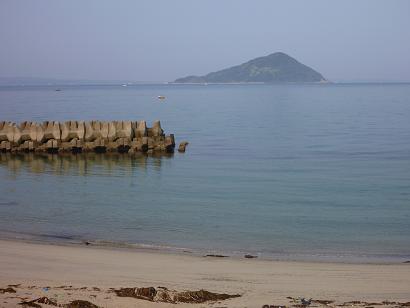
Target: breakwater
x=85 y=136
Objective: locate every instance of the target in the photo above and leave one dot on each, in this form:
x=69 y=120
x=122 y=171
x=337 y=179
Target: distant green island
x=274 y=68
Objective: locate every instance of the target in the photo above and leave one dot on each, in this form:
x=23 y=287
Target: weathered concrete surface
x=71 y=130
x=29 y=131
x=156 y=129
x=97 y=130
x=3 y=131
x=141 y=129
x=51 y=130
x=10 y=132
x=79 y=136
x=124 y=129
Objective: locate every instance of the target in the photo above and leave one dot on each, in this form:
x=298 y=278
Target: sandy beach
x=68 y=273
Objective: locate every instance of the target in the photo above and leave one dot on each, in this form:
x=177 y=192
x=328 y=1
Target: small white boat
x=161 y=97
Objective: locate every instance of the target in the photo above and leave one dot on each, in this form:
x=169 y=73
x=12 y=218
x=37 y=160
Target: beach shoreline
x=291 y=256
x=42 y=269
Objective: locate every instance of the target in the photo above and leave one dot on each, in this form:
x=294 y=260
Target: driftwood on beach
x=80 y=136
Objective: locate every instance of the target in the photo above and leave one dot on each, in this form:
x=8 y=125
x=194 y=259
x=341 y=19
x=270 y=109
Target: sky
x=161 y=40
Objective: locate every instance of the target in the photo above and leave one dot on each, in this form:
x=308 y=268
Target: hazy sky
x=160 y=40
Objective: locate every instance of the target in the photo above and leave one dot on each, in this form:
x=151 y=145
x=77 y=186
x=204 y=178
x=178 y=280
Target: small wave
x=7 y=234
x=58 y=236
x=8 y=203
x=119 y=244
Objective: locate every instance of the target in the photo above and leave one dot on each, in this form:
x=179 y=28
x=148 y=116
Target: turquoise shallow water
x=282 y=171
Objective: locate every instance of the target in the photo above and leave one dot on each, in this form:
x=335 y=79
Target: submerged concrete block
x=170 y=143
x=182 y=146
x=5 y=146
x=71 y=130
x=72 y=145
x=136 y=144
x=144 y=144
x=52 y=144
x=99 y=144
x=123 y=142
x=28 y=145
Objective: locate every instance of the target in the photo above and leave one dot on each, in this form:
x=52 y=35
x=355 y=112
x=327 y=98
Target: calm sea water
x=281 y=171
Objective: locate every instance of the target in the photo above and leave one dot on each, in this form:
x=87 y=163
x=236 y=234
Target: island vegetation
x=274 y=68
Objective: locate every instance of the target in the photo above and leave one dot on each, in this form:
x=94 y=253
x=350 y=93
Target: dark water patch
x=132 y=228
x=59 y=236
x=41 y=237
x=8 y=203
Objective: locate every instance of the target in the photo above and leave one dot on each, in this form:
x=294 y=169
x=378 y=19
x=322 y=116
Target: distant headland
x=274 y=68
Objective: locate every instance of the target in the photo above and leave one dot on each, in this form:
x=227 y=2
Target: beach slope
x=68 y=273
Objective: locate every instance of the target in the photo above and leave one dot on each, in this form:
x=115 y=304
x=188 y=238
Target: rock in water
x=182 y=146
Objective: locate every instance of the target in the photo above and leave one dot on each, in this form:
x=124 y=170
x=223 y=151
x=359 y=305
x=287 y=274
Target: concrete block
x=71 y=130
x=30 y=130
x=124 y=129
x=10 y=132
x=156 y=129
x=96 y=130
x=50 y=130
x=141 y=129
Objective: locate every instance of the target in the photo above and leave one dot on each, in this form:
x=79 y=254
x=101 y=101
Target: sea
x=311 y=172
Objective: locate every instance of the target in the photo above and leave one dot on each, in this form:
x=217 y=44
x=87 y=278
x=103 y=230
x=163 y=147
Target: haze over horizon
x=161 y=40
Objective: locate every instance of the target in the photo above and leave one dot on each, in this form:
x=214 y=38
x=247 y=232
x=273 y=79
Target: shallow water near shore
x=278 y=171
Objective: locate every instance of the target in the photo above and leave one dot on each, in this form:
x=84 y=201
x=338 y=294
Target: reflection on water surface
x=81 y=163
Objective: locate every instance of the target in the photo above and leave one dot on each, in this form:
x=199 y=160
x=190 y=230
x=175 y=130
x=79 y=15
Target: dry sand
x=88 y=273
